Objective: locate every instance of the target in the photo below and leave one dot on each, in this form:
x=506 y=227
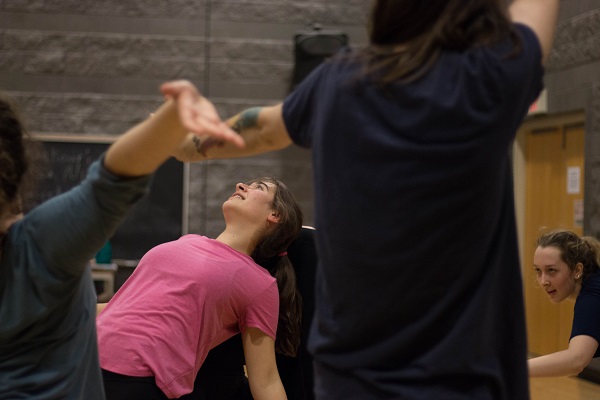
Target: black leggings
x=212 y=383
x=124 y=387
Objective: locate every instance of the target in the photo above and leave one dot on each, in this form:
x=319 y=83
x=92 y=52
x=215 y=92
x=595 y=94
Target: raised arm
x=263 y=377
x=567 y=362
x=262 y=129
x=540 y=16
x=142 y=149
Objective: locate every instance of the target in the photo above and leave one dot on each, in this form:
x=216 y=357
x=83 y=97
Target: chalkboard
x=60 y=163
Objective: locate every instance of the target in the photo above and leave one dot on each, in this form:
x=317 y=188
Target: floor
x=565 y=388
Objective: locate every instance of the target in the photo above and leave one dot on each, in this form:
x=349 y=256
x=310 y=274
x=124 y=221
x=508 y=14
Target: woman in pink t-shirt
x=187 y=296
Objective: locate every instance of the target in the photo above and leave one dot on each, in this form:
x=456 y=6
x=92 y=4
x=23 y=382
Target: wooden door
x=554 y=167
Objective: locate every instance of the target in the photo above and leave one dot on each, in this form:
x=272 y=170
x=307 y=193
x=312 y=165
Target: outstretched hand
x=198 y=114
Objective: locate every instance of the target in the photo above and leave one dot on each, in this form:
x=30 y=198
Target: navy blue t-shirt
x=419 y=292
x=586 y=319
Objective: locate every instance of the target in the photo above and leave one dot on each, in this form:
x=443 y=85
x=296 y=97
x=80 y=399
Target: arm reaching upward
x=540 y=16
x=261 y=128
x=142 y=149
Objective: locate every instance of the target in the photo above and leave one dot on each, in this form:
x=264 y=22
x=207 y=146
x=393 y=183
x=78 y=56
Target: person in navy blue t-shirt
x=567 y=267
x=418 y=288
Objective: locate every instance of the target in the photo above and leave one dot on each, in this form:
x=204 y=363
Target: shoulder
x=510 y=70
x=520 y=46
x=592 y=284
x=586 y=319
x=589 y=296
x=530 y=41
x=255 y=277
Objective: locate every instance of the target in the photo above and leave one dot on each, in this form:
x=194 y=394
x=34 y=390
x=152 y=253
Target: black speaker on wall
x=312 y=47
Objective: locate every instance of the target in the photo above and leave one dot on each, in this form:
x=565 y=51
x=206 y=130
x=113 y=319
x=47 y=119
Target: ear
x=578 y=271
x=273 y=217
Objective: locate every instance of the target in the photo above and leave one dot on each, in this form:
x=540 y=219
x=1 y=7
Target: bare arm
x=540 y=16
x=259 y=351
x=142 y=149
x=567 y=362
x=262 y=129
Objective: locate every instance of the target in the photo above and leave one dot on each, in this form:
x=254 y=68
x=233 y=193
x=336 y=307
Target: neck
x=242 y=240
x=577 y=290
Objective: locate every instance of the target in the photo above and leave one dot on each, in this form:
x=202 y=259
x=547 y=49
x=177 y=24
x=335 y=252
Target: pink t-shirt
x=184 y=298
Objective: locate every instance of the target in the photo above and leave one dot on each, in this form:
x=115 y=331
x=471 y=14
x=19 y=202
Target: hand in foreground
x=198 y=114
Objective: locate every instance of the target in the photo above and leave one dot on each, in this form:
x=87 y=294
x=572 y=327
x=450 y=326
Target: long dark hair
x=407 y=36
x=13 y=159
x=574 y=249
x=271 y=253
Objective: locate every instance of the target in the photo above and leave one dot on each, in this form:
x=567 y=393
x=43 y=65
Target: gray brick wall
x=592 y=163
x=576 y=42
x=573 y=83
x=93 y=67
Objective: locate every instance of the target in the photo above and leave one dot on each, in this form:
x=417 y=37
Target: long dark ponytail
x=271 y=253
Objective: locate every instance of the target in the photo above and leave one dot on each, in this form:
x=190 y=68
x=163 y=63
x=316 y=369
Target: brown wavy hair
x=574 y=249
x=270 y=253
x=407 y=36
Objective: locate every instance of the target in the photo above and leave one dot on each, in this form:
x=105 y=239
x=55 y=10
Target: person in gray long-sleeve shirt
x=48 y=347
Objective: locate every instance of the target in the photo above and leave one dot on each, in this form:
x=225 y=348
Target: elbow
x=578 y=366
x=267 y=385
x=581 y=361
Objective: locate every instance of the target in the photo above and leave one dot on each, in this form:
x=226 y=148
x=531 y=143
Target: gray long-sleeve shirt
x=48 y=346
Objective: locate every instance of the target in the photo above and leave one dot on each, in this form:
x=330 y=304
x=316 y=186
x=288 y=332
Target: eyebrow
x=265 y=185
x=544 y=266
x=260 y=183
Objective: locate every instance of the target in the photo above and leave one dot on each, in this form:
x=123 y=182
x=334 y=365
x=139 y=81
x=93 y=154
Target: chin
x=556 y=299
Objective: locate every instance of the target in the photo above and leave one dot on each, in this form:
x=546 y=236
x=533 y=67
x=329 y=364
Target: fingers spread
x=198 y=114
